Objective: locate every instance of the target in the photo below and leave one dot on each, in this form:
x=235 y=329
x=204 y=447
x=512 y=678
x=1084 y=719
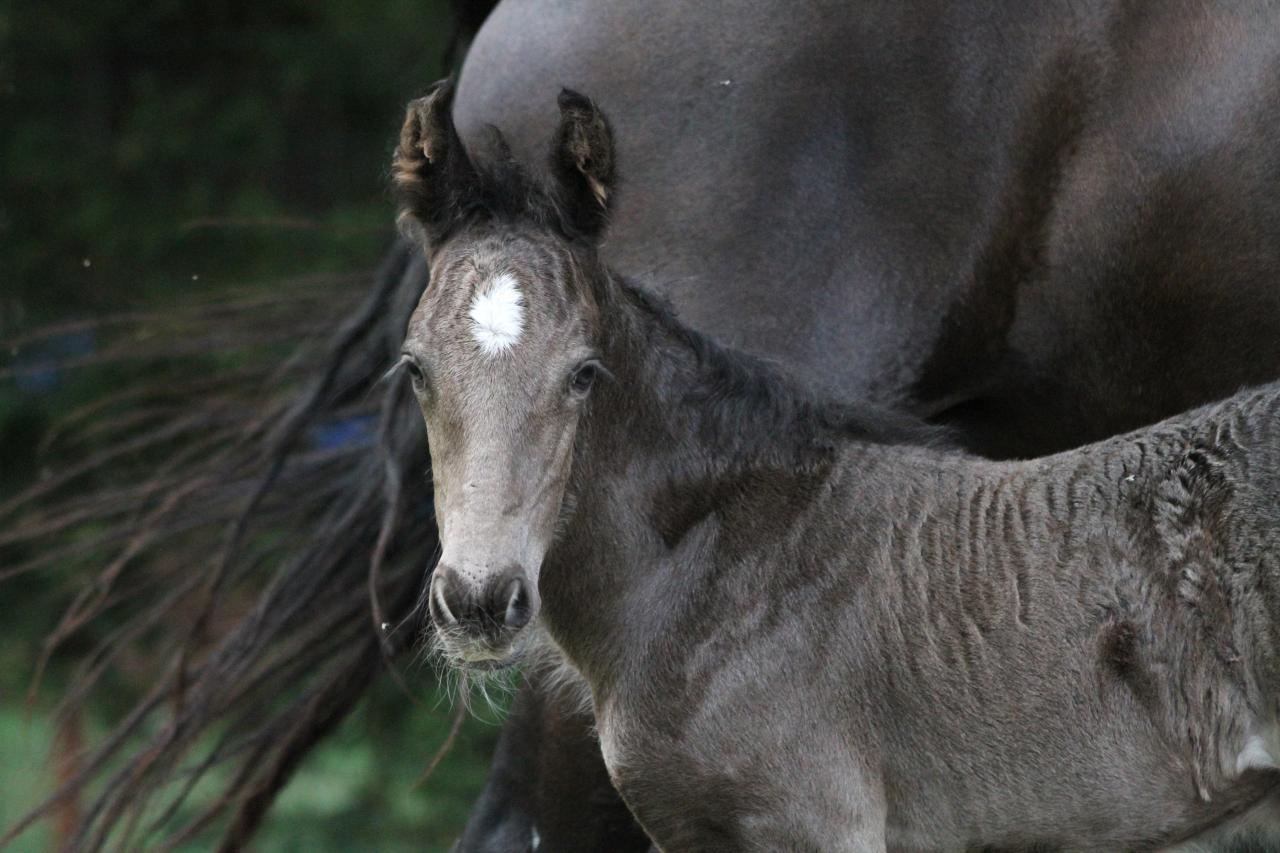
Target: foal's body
x=821 y=642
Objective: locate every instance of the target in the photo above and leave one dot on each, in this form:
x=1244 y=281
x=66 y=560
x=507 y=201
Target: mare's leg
x=502 y=819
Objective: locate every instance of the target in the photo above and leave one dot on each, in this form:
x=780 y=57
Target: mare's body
x=1041 y=225
x=1041 y=222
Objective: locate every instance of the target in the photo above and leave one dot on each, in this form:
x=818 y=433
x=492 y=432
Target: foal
x=803 y=628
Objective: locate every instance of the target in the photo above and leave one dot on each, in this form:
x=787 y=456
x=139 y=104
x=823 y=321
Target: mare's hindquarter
x=937 y=652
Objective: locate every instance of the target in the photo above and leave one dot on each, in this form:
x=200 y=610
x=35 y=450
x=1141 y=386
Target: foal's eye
x=415 y=372
x=582 y=378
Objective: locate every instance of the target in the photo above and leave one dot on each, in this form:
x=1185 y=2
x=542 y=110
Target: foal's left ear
x=582 y=163
x=433 y=176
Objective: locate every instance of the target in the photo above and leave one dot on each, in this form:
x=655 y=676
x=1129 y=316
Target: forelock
x=508 y=193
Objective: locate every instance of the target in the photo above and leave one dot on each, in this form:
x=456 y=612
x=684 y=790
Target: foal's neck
x=682 y=433
x=719 y=411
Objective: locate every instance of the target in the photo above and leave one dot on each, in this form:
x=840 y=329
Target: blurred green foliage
x=153 y=150
x=356 y=792
x=165 y=139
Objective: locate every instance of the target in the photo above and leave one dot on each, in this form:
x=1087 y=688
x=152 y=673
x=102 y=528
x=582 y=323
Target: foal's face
x=501 y=351
x=502 y=357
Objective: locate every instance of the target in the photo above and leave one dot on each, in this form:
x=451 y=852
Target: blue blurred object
x=355 y=431
x=38 y=370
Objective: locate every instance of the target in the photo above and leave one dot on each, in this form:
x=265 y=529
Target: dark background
x=155 y=154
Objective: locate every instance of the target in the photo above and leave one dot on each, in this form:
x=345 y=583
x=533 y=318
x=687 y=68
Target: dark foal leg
x=578 y=808
x=548 y=781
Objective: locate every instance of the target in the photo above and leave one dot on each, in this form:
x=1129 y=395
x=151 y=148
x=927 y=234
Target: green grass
x=24 y=749
x=354 y=792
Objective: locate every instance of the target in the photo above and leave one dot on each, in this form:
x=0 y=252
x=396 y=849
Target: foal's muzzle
x=479 y=621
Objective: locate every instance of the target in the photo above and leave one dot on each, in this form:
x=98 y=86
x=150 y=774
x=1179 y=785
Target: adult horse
x=1040 y=225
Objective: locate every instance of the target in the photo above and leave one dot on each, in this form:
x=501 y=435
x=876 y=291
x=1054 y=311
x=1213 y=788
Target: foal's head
x=502 y=351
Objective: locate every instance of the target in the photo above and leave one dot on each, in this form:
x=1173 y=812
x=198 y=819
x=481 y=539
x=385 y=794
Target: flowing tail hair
x=267 y=550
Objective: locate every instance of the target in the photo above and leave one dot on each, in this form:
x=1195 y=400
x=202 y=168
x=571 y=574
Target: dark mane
x=506 y=192
x=757 y=400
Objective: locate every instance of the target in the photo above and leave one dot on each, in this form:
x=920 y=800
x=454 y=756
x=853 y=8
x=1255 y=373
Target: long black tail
x=468 y=16
x=270 y=515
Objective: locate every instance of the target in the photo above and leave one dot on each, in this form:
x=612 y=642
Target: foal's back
x=1074 y=652
x=1083 y=641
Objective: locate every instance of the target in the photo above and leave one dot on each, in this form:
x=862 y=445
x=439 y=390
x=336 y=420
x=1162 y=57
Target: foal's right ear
x=433 y=177
x=583 y=163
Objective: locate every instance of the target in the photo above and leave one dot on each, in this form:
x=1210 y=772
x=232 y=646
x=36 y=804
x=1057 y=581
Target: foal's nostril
x=505 y=604
x=436 y=604
x=518 y=611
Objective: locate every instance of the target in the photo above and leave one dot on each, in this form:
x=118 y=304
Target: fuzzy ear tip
x=437 y=101
x=571 y=100
x=442 y=90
